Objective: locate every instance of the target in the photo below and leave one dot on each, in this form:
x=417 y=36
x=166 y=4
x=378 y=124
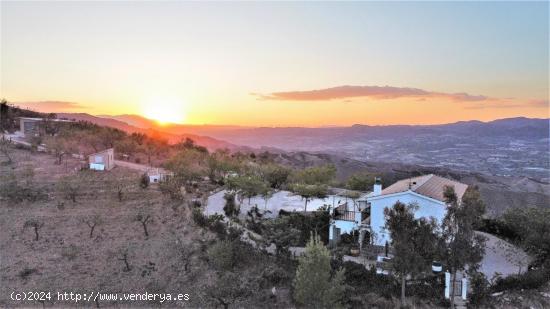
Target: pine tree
x=314 y=287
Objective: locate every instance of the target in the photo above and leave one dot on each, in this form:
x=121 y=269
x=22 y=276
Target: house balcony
x=345 y=215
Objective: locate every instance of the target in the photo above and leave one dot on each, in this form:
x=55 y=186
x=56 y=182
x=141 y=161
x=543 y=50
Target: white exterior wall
x=154 y=178
x=427 y=207
x=97 y=166
x=344 y=226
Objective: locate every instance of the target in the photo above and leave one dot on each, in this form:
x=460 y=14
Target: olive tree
x=36 y=224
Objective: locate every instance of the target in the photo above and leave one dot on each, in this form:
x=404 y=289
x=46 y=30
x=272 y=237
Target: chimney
x=377 y=188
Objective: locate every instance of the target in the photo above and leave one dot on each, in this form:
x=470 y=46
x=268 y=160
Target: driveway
x=502 y=258
x=281 y=200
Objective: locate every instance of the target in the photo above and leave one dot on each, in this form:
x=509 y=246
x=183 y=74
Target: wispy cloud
x=50 y=106
x=510 y=103
x=373 y=92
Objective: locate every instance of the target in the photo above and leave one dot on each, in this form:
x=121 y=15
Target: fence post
x=447 y=285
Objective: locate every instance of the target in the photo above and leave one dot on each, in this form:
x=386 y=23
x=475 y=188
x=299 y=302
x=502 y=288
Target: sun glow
x=164 y=110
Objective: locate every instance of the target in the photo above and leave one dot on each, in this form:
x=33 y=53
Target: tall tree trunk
x=403 y=290
x=452 y=290
x=305 y=206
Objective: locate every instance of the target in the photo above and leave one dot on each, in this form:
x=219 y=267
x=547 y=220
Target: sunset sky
x=279 y=64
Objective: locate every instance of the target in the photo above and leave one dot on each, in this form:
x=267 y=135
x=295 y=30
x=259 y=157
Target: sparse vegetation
x=144 y=181
x=70 y=186
x=123 y=256
x=36 y=225
x=6 y=150
x=144 y=218
x=92 y=222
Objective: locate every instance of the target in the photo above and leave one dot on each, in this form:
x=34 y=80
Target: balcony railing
x=346 y=215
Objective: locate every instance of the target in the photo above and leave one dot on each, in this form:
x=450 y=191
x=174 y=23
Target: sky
x=279 y=63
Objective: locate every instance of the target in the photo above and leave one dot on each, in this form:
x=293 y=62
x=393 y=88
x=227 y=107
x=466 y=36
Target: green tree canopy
x=248 y=186
x=308 y=191
x=413 y=241
x=314 y=286
x=360 y=182
x=323 y=174
x=463 y=247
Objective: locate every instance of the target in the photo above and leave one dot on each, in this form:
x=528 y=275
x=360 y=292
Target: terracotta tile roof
x=427 y=185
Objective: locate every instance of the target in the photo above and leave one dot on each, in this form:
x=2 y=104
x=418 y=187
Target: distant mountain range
x=508 y=147
x=519 y=127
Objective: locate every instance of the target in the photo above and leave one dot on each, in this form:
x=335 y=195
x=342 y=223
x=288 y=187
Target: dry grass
x=65 y=258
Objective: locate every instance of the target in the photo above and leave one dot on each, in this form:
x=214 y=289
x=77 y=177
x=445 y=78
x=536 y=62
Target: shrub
x=70 y=252
x=144 y=181
x=25 y=273
x=479 y=292
x=255 y=220
x=275 y=275
x=196 y=203
x=529 y=280
x=498 y=228
x=364 y=280
x=316 y=221
x=222 y=255
x=217 y=226
x=199 y=218
x=230 y=208
x=19 y=187
x=214 y=222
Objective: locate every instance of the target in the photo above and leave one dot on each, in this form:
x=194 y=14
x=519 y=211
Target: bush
x=316 y=221
x=222 y=255
x=27 y=272
x=19 y=187
x=430 y=288
x=214 y=223
x=255 y=220
x=274 y=275
x=529 y=280
x=230 y=208
x=365 y=281
x=479 y=292
x=199 y=218
x=144 y=181
x=217 y=226
x=498 y=228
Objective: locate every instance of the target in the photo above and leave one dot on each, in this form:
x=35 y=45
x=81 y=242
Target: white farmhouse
x=367 y=215
x=157 y=174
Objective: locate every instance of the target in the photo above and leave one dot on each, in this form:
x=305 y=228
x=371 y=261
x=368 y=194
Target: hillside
x=66 y=257
x=206 y=141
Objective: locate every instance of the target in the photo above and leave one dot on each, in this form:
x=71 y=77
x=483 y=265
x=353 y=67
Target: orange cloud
x=374 y=92
x=50 y=106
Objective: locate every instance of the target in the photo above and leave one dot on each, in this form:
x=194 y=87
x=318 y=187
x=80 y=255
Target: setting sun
x=164 y=110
